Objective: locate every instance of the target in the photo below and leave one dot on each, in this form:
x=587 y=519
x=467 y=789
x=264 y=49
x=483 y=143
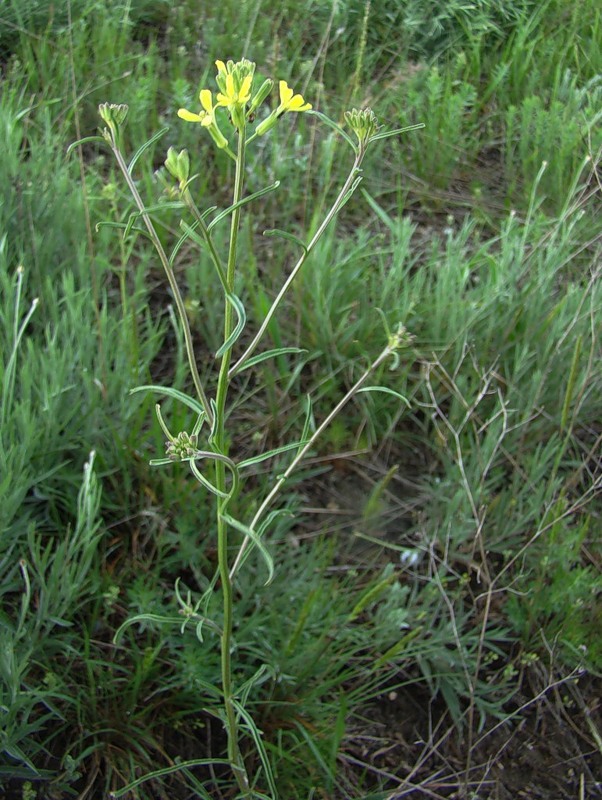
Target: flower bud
x=114 y=116
x=178 y=164
x=363 y=123
x=267 y=124
x=260 y=96
x=183 y=446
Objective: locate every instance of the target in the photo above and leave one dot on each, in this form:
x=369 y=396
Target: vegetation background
x=434 y=625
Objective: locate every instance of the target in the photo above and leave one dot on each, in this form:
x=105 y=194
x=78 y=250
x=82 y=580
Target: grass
x=452 y=547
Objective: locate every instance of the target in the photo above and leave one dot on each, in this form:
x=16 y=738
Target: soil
x=548 y=750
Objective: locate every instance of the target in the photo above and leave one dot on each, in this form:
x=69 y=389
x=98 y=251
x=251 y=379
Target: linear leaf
x=285 y=235
x=197 y=762
x=309 y=420
x=398 y=647
x=206 y=483
x=175 y=393
x=191 y=233
x=242 y=318
x=242 y=202
x=263 y=673
x=256 y=539
x=280 y=351
x=378 y=210
x=85 y=140
x=335 y=126
x=348 y=195
x=144 y=147
x=270 y=454
x=186 y=235
x=396 y=132
x=263 y=756
x=144 y=618
x=122 y=226
x=385 y=390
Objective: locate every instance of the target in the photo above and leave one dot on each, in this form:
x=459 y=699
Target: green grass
x=477 y=556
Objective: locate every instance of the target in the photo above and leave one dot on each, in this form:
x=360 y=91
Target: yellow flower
x=234 y=96
x=290 y=101
x=206 y=118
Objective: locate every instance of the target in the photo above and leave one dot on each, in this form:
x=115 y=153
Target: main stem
x=221 y=445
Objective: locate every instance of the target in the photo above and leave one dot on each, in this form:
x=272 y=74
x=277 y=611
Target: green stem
x=173 y=285
x=215 y=257
x=347 y=187
x=242 y=553
x=221 y=445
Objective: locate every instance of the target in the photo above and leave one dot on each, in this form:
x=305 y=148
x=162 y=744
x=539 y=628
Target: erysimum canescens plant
x=206 y=449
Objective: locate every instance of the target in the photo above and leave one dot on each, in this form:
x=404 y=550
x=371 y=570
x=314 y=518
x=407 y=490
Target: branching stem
x=340 y=199
x=173 y=285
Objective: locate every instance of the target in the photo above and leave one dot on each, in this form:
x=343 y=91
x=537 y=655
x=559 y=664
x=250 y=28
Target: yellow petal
x=245 y=89
x=221 y=67
x=298 y=104
x=222 y=100
x=189 y=116
x=285 y=93
x=230 y=86
x=206 y=101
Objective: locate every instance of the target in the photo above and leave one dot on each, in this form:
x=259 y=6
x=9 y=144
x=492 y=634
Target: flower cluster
x=235 y=84
x=114 y=116
x=363 y=123
x=182 y=446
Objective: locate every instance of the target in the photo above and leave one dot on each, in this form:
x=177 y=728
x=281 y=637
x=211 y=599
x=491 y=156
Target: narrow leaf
x=242 y=202
x=144 y=147
x=336 y=127
x=568 y=396
x=242 y=318
x=285 y=235
x=270 y=454
x=396 y=132
x=197 y=762
x=175 y=393
x=262 y=674
x=280 y=351
x=253 y=536
x=309 y=420
x=144 y=618
x=348 y=195
x=150 y=210
x=397 y=648
x=122 y=226
x=384 y=390
x=202 y=243
x=378 y=210
x=263 y=756
x=178 y=245
x=85 y=140
x=207 y=484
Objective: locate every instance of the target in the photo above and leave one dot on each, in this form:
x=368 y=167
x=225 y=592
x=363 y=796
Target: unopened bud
x=178 y=164
x=267 y=124
x=262 y=93
x=114 y=115
x=363 y=123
